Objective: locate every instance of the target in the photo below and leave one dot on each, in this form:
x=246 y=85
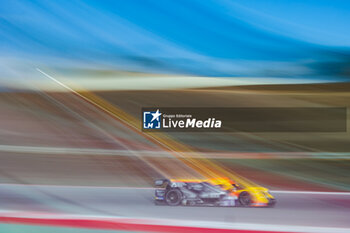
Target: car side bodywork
x=213 y=192
x=259 y=196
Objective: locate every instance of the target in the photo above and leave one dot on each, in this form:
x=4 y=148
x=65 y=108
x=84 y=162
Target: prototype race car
x=213 y=192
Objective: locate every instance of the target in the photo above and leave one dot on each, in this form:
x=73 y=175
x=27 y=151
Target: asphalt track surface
x=297 y=209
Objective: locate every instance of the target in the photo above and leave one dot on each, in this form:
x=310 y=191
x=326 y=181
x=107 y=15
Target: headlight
x=266 y=194
x=269 y=194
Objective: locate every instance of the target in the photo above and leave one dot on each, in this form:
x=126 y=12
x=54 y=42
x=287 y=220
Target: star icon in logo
x=156 y=115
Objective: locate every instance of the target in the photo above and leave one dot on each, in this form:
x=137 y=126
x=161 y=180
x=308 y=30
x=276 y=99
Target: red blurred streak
x=115 y=225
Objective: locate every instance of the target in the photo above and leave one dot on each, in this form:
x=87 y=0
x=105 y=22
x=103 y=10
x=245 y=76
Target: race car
x=212 y=192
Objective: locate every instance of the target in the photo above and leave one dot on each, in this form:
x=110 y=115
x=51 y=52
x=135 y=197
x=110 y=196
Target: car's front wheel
x=245 y=199
x=173 y=197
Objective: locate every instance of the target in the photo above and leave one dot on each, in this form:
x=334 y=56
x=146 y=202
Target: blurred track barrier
x=205 y=167
x=195 y=165
x=164 y=154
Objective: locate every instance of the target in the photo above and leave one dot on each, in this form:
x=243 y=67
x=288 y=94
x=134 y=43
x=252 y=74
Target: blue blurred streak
x=210 y=38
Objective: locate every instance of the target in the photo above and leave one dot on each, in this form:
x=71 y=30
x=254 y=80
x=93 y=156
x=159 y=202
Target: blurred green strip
x=20 y=228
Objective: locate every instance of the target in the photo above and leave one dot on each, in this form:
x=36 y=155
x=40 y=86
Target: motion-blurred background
x=74 y=76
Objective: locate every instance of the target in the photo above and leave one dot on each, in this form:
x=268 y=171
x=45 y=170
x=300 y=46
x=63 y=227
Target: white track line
x=145 y=188
x=309 y=192
x=213 y=155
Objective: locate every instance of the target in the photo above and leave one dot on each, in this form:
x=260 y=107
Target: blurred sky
x=257 y=38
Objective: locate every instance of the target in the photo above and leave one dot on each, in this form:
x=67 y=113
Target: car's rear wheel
x=173 y=197
x=245 y=199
